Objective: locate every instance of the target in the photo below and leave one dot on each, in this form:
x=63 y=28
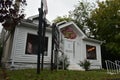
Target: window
x=91 y=52
x=68 y=33
x=32 y=45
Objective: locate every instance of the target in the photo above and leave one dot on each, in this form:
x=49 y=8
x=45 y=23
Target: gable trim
x=73 y=24
x=92 y=40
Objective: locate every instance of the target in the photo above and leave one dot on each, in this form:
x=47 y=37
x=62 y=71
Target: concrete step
x=74 y=66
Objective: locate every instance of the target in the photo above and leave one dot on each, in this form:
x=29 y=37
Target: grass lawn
x=30 y=74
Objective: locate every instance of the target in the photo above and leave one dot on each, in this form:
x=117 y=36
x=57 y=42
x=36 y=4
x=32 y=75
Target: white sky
x=55 y=7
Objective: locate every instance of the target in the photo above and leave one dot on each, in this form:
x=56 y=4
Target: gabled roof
x=36 y=18
x=33 y=17
x=74 y=26
x=33 y=22
x=30 y=22
x=78 y=31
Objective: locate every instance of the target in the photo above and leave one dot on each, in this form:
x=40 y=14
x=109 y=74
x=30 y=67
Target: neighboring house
x=78 y=47
x=20 y=46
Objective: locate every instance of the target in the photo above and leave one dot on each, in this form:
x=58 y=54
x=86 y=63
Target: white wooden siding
x=20 y=39
x=96 y=62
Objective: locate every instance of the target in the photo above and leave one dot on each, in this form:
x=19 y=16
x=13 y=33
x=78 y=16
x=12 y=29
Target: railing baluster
x=112 y=67
x=118 y=65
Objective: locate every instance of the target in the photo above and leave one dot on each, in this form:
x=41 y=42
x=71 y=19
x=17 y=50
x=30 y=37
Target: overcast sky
x=55 y=7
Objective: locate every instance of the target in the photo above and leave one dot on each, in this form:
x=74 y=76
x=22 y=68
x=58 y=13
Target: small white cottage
x=20 y=46
x=78 y=47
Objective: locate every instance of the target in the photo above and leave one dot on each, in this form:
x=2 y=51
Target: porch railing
x=112 y=67
x=118 y=63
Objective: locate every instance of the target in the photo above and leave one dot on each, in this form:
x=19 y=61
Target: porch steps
x=74 y=66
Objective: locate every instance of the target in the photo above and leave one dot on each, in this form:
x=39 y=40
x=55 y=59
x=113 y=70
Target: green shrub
x=85 y=64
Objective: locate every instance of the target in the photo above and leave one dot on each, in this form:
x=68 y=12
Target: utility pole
x=41 y=34
x=43 y=42
x=52 y=49
x=40 y=27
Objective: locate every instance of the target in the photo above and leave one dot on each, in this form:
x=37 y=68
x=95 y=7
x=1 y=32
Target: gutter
x=30 y=24
x=93 y=40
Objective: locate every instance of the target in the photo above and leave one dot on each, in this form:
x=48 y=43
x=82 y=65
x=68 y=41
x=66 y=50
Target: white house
x=20 y=46
x=78 y=47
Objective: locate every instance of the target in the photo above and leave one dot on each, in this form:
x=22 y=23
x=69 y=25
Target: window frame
x=92 y=54
x=34 y=41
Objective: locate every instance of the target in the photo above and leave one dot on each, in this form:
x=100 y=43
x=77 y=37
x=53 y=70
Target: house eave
x=92 y=40
x=29 y=24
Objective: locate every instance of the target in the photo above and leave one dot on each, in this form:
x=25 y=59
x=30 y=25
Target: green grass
x=30 y=74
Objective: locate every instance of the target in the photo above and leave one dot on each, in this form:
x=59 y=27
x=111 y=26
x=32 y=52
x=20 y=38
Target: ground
x=30 y=74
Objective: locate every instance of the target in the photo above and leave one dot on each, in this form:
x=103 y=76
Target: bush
x=85 y=64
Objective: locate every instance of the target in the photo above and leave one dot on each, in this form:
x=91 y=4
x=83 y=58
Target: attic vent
x=61 y=23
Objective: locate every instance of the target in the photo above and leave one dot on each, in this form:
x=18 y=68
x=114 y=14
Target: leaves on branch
x=11 y=12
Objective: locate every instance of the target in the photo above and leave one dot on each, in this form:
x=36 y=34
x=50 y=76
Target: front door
x=69 y=49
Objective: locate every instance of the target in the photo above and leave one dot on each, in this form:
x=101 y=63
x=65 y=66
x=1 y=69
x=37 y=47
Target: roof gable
x=75 y=28
x=35 y=19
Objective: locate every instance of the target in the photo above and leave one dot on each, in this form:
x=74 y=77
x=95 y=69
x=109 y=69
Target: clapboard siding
x=20 y=46
x=30 y=59
x=98 y=53
x=20 y=42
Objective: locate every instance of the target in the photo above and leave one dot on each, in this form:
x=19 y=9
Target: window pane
x=32 y=45
x=91 y=52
